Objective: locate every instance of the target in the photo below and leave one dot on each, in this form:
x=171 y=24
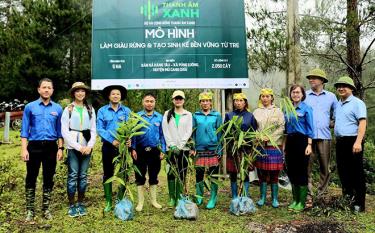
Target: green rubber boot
x=179 y=190
x=263 y=193
x=172 y=193
x=213 y=196
x=275 y=194
x=302 y=199
x=108 y=197
x=199 y=188
x=295 y=192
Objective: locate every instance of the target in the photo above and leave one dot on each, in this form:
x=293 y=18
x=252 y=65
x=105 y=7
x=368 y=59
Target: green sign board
x=164 y=44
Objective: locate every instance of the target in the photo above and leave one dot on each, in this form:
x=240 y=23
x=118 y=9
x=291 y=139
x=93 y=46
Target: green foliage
x=10 y=177
x=243 y=145
x=12 y=208
x=44 y=39
x=369 y=166
x=124 y=167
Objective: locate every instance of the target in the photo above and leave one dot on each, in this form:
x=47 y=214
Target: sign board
x=163 y=44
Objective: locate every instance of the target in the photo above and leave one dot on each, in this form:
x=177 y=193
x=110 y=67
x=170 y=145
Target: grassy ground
x=266 y=219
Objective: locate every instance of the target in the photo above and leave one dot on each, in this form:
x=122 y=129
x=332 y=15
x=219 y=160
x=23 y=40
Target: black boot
x=30 y=204
x=46 y=202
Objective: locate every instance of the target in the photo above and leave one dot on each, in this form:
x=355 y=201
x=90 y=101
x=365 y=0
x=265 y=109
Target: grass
x=266 y=219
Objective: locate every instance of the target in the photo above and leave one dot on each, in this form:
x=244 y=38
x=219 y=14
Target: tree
x=44 y=39
x=327 y=35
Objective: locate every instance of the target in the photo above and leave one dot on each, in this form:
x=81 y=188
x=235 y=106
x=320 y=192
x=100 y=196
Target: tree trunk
x=353 y=46
x=293 y=44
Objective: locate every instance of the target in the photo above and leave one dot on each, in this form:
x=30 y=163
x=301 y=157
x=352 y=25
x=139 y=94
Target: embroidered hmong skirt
x=206 y=159
x=271 y=159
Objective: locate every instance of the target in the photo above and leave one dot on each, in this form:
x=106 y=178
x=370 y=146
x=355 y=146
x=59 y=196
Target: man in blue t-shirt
x=350 y=128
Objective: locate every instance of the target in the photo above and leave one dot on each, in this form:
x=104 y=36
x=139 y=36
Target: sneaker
x=47 y=215
x=29 y=216
x=72 y=212
x=81 y=209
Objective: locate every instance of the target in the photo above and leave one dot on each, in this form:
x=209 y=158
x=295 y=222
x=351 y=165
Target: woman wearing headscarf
x=240 y=106
x=78 y=128
x=207 y=147
x=271 y=161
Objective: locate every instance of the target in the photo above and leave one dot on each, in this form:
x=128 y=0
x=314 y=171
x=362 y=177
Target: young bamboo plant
x=123 y=162
x=173 y=169
x=245 y=145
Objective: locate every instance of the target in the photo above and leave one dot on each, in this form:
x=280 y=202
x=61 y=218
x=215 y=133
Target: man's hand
x=192 y=152
x=308 y=150
x=25 y=155
x=357 y=147
x=59 y=154
x=134 y=154
x=116 y=143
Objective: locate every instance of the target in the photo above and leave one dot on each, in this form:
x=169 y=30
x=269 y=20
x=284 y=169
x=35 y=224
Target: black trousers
x=41 y=152
x=178 y=164
x=199 y=173
x=350 y=170
x=296 y=160
x=147 y=161
x=109 y=152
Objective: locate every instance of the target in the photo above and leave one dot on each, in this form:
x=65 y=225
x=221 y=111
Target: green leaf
x=240 y=139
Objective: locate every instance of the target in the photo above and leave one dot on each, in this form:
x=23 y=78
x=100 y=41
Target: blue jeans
x=78 y=165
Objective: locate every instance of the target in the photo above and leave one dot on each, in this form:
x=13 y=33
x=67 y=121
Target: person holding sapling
x=146 y=153
x=240 y=106
x=107 y=124
x=271 y=161
x=177 y=129
x=299 y=129
x=207 y=147
x=78 y=127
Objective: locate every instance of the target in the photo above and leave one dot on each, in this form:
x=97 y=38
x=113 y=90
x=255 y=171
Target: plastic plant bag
x=186 y=209
x=124 y=210
x=242 y=206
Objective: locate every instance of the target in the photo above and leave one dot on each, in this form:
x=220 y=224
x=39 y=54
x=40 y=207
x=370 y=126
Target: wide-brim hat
x=107 y=90
x=347 y=81
x=318 y=73
x=78 y=85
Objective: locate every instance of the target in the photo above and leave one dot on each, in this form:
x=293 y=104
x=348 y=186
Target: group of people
x=299 y=138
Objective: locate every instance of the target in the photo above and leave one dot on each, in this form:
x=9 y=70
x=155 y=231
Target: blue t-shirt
x=347 y=116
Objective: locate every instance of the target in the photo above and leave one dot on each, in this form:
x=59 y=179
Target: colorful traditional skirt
x=206 y=159
x=271 y=158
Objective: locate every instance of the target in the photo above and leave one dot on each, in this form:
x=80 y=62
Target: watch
x=61 y=148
